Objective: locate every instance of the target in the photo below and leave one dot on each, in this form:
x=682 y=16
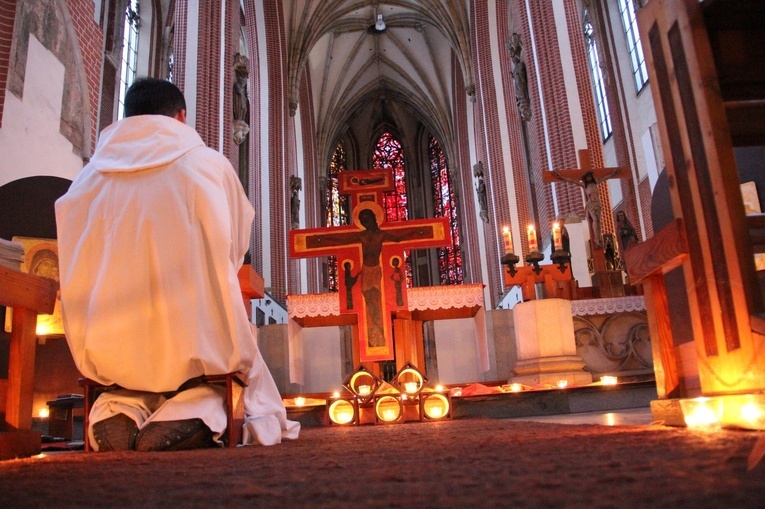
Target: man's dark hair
x=152 y=96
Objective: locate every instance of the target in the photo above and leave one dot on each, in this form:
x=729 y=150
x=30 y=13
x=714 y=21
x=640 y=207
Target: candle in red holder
x=557 y=237
x=508 y=240
x=532 y=236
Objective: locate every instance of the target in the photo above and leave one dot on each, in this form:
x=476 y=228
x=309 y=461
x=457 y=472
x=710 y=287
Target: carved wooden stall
x=708 y=83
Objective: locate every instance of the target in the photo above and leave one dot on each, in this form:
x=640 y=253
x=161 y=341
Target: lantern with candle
x=363 y=384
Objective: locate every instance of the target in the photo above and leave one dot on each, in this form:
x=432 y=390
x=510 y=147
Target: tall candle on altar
x=557 y=238
x=532 y=237
x=508 y=240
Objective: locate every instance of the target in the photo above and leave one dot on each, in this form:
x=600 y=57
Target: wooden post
x=28 y=295
x=647 y=262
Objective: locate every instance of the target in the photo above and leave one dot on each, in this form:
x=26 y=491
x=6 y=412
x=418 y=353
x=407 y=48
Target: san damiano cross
x=370 y=255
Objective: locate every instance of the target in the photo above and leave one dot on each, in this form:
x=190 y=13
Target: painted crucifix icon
x=370 y=252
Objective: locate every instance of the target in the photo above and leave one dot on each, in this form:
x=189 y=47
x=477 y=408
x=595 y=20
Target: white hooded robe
x=151 y=235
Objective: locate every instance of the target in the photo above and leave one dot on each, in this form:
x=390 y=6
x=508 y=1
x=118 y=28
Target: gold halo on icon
x=374 y=207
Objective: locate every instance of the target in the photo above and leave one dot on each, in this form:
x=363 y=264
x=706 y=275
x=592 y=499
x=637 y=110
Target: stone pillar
x=544 y=332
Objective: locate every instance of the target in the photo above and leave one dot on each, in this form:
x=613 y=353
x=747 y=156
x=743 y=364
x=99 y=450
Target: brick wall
x=488 y=147
x=208 y=71
x=251 y=38
x=90 y=40
x=278 y=170
x=471 y=255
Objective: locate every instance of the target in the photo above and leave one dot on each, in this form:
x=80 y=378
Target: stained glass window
x=445 y=203
x=337 y=207
x=389 y=155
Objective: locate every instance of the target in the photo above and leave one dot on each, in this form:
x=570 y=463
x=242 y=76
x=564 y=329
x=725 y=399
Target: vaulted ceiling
x=358 y=71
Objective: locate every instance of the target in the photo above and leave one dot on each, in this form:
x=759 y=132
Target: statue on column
x=481 y=191
x=520 y=77
x=241 y=99
x=296 y=184
x=241 y=111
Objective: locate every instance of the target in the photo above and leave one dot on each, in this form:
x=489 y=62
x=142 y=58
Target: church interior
x=564 y=199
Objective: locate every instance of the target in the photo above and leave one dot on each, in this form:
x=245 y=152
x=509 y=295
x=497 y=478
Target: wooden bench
x=28 y=296
x=234 y=385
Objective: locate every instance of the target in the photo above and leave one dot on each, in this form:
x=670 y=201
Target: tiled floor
x=629 y=417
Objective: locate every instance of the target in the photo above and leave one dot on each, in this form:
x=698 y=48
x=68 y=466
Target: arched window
x=129 y=60
x=639 y=70
x=388 y=154
x=597 y=78
x=337 y=207
x=445 y=203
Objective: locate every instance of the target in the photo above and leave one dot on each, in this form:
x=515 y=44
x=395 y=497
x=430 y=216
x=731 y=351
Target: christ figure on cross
x=593 y=207
x=589 y=179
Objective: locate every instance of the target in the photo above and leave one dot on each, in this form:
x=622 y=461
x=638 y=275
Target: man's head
x=152 y=96
x=368 y=219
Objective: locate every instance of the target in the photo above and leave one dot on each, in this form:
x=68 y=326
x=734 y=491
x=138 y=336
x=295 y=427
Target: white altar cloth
x=425 y=303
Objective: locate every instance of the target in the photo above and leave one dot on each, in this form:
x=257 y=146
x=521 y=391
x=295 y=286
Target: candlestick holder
x=511 y=259
x=534 y=258
x=561 y=258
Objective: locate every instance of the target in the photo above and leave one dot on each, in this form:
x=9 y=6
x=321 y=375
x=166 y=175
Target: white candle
x=410 y=387
x=532 y=237
x=364 y=390
x=300 y=401
x=508 y=240
x=557 y=237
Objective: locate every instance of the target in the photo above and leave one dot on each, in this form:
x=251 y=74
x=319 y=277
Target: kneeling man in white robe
x=151 y=235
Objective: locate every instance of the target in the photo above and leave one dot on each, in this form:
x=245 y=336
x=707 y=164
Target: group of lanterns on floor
x=369 y=400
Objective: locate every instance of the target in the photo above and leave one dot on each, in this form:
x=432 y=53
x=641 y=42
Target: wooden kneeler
x=234 y=404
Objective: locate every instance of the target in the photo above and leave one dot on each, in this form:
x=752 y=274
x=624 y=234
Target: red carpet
x=460 y=463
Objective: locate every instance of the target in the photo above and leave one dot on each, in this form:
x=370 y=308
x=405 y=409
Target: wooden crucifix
x=370 y=257
x=589 y=178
